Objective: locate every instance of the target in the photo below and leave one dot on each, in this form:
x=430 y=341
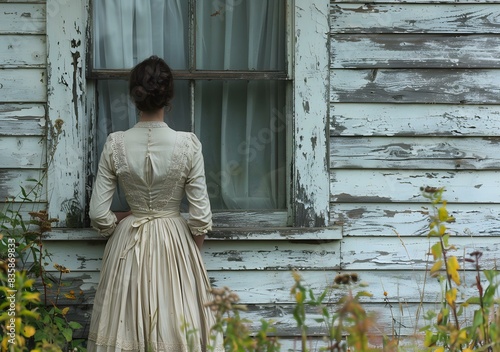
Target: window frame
x=307 y=135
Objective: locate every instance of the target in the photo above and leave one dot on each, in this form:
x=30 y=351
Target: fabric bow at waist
x=139 y=222
x=144 y=217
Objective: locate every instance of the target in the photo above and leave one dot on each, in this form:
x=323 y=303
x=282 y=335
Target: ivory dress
x=153 y=280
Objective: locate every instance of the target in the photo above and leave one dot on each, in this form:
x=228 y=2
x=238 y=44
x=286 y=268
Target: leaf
x=490 y=275
x=74 y=325
x=436 y=267
x=437 y=250
x=65 y=311
x=442 y=230
x=68 y=334
x=452 y=268
x=451 y=297
x=443 y=213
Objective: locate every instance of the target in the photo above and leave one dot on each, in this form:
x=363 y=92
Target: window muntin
x=243 y=105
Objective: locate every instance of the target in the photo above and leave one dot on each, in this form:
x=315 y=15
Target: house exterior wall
x=411 y=90
x=23 y=98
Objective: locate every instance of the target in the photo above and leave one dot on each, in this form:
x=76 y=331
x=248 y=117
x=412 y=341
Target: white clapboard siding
x=334 y=2
x=396 y=286
x=409 y=295
x=415 y=51
x=407 y=17
x=410 y=253
x=382 y=186
x=19 y=18
x=249 y=219
x=460 y=86
x=22 y=119
x=411 y=219
x=392 y=320
x=365 y=119
x=23 y=51
x=436 y=153
x=22 y=152
x=23 y=85
x=220 y=255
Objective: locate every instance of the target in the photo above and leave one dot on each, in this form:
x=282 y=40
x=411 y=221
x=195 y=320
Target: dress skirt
x=153 y=290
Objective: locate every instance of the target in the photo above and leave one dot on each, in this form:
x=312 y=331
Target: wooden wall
x=23 y=97
x=414 y=102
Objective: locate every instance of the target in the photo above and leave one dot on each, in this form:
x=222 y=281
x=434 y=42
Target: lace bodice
x=155 y=165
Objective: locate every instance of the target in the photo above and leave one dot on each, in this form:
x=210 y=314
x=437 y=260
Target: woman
x=153 y=286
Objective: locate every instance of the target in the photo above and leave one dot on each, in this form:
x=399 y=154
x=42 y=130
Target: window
x=232 y=88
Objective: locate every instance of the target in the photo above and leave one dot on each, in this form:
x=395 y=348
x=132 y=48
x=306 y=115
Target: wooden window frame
x=307 y=138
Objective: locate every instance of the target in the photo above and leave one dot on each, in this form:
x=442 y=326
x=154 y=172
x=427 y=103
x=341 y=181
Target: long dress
x=154 y=286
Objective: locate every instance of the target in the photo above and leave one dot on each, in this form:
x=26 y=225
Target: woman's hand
x=120 y=215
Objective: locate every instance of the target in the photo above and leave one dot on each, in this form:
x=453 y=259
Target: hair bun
x=151 y=84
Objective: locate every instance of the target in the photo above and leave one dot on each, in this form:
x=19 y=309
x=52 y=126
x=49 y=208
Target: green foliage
x=36 y=322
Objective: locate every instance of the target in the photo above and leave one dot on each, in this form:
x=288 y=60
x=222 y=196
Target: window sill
x=323 y=234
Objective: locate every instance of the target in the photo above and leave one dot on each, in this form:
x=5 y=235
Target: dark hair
x=151 y=84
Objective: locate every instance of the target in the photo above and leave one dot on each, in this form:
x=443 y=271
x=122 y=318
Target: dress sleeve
x=200 y=215
x=101 y=217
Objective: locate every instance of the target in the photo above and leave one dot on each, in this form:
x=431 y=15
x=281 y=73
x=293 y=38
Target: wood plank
x=401 y=286
x=23 y=51
x=22 y=120
x=403 y=324
x=411 y=253
x=459 y=18
x=23 y=85
x=401 y=321
x=219 y=255
x=414 y=1
x=221 y=234
x=432 y=86
x=387 y=186
x=248 y=219
x=11 y=182
x=365 y=219
x=437 y=153
x=414 y=120
x=19 y=18
x=414 y=51
x=23 y=152
x=309 y=198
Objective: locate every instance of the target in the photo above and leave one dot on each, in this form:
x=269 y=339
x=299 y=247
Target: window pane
x=240 y=35
x=116 y=112
x=242 y=126
x=128 y=31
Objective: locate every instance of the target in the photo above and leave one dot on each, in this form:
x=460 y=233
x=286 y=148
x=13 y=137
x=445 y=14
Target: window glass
x=242 y=127
x=240 y=122
x=240 y=35
x=128 y=31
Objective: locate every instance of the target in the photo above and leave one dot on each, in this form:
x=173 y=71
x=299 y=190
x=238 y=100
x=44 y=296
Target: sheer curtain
x=247 y=117
x=240 y=123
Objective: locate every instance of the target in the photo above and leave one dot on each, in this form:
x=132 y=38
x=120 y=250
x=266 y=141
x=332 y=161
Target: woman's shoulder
x=189 y=138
